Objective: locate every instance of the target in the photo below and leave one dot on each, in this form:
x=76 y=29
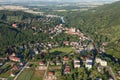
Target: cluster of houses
x=38 y=48
x=34 y=48
x=87 y=61
x=31 y=24
x=52 y=63
x=74 y=31
x=57 y=29
x=71 y=31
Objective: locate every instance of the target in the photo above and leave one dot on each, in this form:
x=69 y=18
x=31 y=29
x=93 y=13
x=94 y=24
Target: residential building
x=101 y=62
x=66 y=43
x=51 y=76
x=65 y=59
x=67 y=70
x=41 y=63
x=52 y=63
x=76 y=63
x=88 y=63
x=14 y=58
x=58 y=63
x=14 y=25
x=51 y=73
x=36 y=51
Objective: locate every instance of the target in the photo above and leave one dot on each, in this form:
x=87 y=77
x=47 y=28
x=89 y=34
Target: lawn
x=26 y=74
x=62 y=49
x=38 y=75
x=31 y=74
x=55 y=67
x=6 y=71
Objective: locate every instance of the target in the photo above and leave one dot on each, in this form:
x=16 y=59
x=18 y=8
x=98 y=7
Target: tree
x=4 y=17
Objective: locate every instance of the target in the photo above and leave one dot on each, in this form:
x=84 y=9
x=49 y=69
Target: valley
x=59 y=41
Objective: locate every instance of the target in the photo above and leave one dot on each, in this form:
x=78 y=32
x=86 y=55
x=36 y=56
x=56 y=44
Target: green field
x=62 y=49
x=26 y=75
x=31 y=74
x=6 y=72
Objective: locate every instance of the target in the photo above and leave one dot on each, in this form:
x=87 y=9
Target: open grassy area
x=26 y=74
x=55 y=67
x=6 y=71
x=31 y=74
x=62 y=49
x=38 y=75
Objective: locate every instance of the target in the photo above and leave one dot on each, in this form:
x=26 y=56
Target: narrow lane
x=46 y=71
x=20 y=71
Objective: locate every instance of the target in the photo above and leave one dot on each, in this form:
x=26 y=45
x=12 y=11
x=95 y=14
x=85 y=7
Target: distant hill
x=103 y=23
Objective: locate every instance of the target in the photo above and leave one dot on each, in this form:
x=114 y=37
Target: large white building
x=101 y=62
x=88 y=63
x=76 y=63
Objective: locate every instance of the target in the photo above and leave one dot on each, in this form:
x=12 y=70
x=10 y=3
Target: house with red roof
x=14 y=25
x=14 y=58
x=50 y=73
x=41 y=63
x=67 y=69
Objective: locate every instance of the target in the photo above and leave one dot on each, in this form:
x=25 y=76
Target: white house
x=88 y=63
x=97 y=60
x=76 y=63
x=101 y=62
x=36 y=51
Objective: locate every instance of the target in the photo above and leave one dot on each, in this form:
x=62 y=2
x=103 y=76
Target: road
x=46 y=71
x=111 y=72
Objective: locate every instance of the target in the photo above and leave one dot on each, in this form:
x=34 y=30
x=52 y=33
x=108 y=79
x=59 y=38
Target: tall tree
x=4 y=17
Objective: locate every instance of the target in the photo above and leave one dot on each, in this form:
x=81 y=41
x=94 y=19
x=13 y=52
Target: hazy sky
x=58 y=0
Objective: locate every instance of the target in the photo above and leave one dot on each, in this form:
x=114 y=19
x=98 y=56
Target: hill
x=102 y=23
x=23 y=32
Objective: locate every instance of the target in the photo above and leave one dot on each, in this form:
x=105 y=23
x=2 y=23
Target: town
x=70 y=60
x=66 y=40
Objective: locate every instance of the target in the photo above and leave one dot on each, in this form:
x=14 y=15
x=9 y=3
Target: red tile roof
x=13 y=58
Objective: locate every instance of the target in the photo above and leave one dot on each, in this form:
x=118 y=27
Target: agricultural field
x=6 y=71
x=31 y=74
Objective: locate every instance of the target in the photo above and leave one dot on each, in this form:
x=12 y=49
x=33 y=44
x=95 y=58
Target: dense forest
x=101 y=23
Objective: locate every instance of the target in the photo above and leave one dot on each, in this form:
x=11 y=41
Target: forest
x=101 y=23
